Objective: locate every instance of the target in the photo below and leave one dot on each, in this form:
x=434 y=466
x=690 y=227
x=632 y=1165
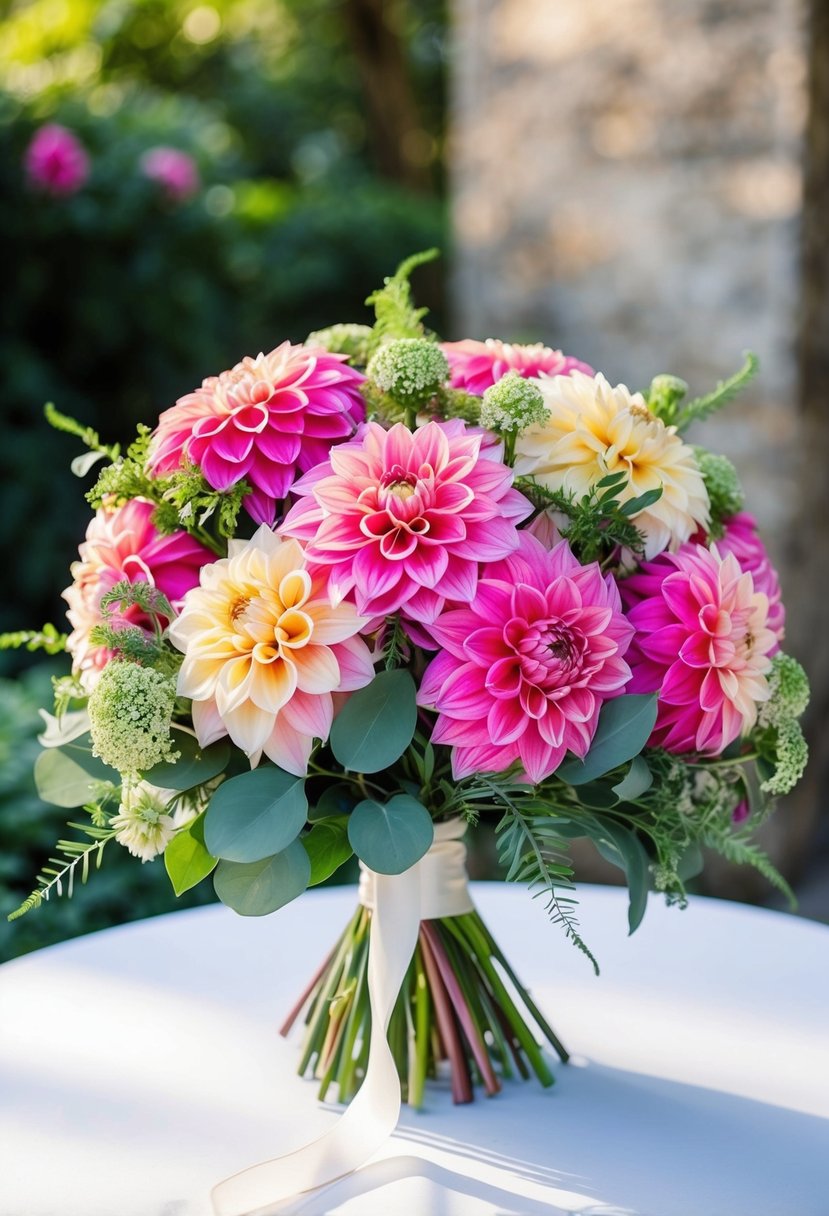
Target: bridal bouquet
x=356 y=595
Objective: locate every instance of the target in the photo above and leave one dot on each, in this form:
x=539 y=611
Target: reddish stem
x=459 y=1003
x=285 y=1028
x=461 y=1081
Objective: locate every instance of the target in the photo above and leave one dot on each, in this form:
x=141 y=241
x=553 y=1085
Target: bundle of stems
x=460 y=1003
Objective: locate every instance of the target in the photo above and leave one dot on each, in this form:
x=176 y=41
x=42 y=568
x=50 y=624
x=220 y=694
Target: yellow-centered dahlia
x=594 y=429
x=264 y=651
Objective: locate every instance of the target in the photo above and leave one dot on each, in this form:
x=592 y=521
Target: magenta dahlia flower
x=743 y=540
x=56 y=161
x=525 y=668
x=703 y=643
x=124 y=544
x=403 y=518
x=476 y=366
x=268 y=419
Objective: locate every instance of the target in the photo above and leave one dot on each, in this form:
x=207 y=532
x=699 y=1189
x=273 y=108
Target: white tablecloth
x=141 y=1065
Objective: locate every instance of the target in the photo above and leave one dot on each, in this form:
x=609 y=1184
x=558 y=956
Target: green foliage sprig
x=48 y=638
x=126 y=477
x=598 y=524
x=666 y=393
x=61 y=869
x=88 y=437
x=393 y=307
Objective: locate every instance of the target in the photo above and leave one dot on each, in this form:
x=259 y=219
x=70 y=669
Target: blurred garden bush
x=130 y=274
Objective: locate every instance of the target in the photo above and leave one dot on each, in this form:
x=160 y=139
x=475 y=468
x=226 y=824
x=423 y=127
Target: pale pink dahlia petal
x=742 y=539
x=124 y=544
x=521 y=679
x=267 y=420
x=476 y=366
x=403 y=519
x=702 y=643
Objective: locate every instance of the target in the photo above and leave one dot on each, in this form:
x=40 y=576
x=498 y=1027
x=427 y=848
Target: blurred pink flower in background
x=175 y=171
x=476 y=366
x=125 y=544
x=56 y=161
x=526 y=667
x=703 y=643
x=268 y=420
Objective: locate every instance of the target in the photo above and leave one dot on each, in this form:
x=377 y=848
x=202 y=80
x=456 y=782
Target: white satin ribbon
x=435 y=886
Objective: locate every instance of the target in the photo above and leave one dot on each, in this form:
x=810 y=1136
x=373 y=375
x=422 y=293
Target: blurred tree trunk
x=810 y=610
x=395 y=130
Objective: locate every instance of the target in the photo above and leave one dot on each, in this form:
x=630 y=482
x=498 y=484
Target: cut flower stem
x=460 y=1005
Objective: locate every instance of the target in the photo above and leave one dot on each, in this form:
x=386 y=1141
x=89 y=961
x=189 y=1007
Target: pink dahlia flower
x=703 y=643
x=173 y=170
x=56 y=160
x=268 y=419
x=743 y=540
x=124 y=544
x=403 y=518
x=476 y=366
x=525 y=668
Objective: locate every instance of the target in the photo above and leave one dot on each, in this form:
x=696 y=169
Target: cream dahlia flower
x=595 y=429
x=264 y=651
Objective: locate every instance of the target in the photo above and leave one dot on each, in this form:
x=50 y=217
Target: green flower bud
x=411 y=370
x=513 y=404
x=664 y=395
x=344 y=339
x=130 y=713
x=723 y=486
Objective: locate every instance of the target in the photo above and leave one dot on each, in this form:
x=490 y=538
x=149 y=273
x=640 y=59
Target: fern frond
x=725 y=391
x=744 y=853
x=89 y=437
x=61 y=869
x=396 y=315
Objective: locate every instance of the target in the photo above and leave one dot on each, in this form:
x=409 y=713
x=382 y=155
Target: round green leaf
x=625 y=725
x=255 y=815
x=328 y=847
x=194 y=766
x=376 y=724
x=186 y=859
x=260 y=887
x=67 y=775
x=389 y=838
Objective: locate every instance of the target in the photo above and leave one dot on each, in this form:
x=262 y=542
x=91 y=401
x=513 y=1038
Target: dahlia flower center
x=549 y=653
x=399 y=483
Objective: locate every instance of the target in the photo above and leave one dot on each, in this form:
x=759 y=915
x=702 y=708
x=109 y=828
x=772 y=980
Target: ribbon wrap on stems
x=435 y=887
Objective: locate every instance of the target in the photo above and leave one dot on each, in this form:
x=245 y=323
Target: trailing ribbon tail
x=435 y=887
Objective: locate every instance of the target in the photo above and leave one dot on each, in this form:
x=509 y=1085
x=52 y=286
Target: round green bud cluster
x=789 y=686
x=665 y=394
x=722 y=484
x=411 y=370
x=130 y=712
x=344 y=339
x=513 y=404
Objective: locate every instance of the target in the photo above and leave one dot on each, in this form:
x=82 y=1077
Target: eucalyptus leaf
x=194 y=766
x=635 y=782
x=377 y=723
x=328 y=847
x=691 y=863
x=67 y=775
x=390 y=837
x=260 y=887
x=625 y=725
x=337 y=799
x=623 y=848
x=186 y=859
x=255 y=815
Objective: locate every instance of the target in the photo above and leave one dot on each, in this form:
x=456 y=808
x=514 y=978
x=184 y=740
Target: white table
x=141 y=1065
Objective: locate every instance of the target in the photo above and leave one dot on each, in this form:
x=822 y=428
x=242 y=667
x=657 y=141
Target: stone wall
x=626 y=185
